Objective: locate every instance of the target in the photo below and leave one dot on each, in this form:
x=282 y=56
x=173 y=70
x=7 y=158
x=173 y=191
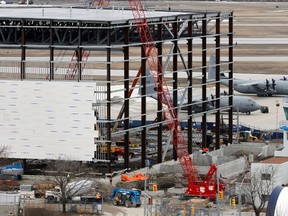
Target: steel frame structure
x=175 y=33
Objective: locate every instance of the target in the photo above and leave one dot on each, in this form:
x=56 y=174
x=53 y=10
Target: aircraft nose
x=258 y=106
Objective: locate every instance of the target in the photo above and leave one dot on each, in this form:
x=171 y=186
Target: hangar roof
x=72 y=14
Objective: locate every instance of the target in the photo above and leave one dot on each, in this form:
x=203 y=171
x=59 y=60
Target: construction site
x=110 y=52
x=77 y=79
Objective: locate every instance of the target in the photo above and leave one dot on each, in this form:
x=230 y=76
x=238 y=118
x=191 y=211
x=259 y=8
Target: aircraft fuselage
x=260 y=88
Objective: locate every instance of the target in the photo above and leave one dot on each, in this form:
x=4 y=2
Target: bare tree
x=66 y=174
x=3 y=154
x=258 y=188
x=3 y=151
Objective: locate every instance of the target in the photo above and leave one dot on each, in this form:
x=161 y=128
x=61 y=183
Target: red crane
x=197 y=186
x=74 y=64
x=100 y=2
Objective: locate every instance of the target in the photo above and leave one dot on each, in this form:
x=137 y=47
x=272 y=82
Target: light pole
x=277 y=105
x=217 y=180
x=147 y=164
x=239 y=197
x=238 y=125
x=145 y=197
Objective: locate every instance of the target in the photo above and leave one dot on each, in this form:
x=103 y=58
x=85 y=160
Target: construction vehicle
x=116 y=152
x=75 y=191
x=207 y=187
x=40 y=189
x=126 y=197
x=246 y=136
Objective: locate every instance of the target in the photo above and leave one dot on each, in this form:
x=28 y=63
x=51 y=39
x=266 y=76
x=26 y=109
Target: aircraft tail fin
x=222 y=75
x=212 y=68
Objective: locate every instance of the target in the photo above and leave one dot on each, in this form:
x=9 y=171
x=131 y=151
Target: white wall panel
x=47 y=119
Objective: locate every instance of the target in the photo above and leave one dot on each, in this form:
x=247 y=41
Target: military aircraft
x=241 y=104
x=262 y=88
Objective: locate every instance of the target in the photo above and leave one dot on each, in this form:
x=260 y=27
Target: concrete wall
x=228 y=170
x=229 y=166
x=260 y=149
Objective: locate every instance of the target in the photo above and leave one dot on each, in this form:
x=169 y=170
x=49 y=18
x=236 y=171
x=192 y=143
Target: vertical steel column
x=190 y=93
x=159 y=105
x=23 y=51
x=108 y=126
x=217 y=115
x=143 y=107
x=204 y=87
x=126 y=96
x=24 y=165
x=230 y=67
x=175 y=76
x=79 y=51
x=51 y=46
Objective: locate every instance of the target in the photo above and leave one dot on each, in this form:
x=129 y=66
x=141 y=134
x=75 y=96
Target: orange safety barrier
x=133 y=178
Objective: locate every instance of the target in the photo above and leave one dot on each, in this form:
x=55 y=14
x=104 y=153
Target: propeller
x=267 y=85
x=212 y=100
x=222 y=75
x=273 y=84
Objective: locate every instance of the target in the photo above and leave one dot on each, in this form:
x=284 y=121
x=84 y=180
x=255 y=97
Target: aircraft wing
x=260 y=85
x=253 y=83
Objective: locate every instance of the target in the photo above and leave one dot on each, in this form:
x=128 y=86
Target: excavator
x=197 y=186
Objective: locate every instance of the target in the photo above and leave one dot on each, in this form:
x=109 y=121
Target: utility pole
x=277 y=105
x=147 y=164
x=239 y=197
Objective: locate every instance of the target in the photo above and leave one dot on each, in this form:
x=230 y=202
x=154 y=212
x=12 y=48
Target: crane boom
x=100 y=2
x=73 y=71
x=170 y=114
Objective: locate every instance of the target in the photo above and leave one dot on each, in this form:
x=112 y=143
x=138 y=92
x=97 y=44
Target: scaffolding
x=184 y=41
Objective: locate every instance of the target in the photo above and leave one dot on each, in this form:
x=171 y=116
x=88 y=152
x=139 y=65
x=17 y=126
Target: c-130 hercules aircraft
x=262 y=88
x=241 y=104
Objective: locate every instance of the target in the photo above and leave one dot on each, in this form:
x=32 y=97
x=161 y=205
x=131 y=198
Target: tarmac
x=264 y=121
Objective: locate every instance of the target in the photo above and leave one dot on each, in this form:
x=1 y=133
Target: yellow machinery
x=246 y=136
